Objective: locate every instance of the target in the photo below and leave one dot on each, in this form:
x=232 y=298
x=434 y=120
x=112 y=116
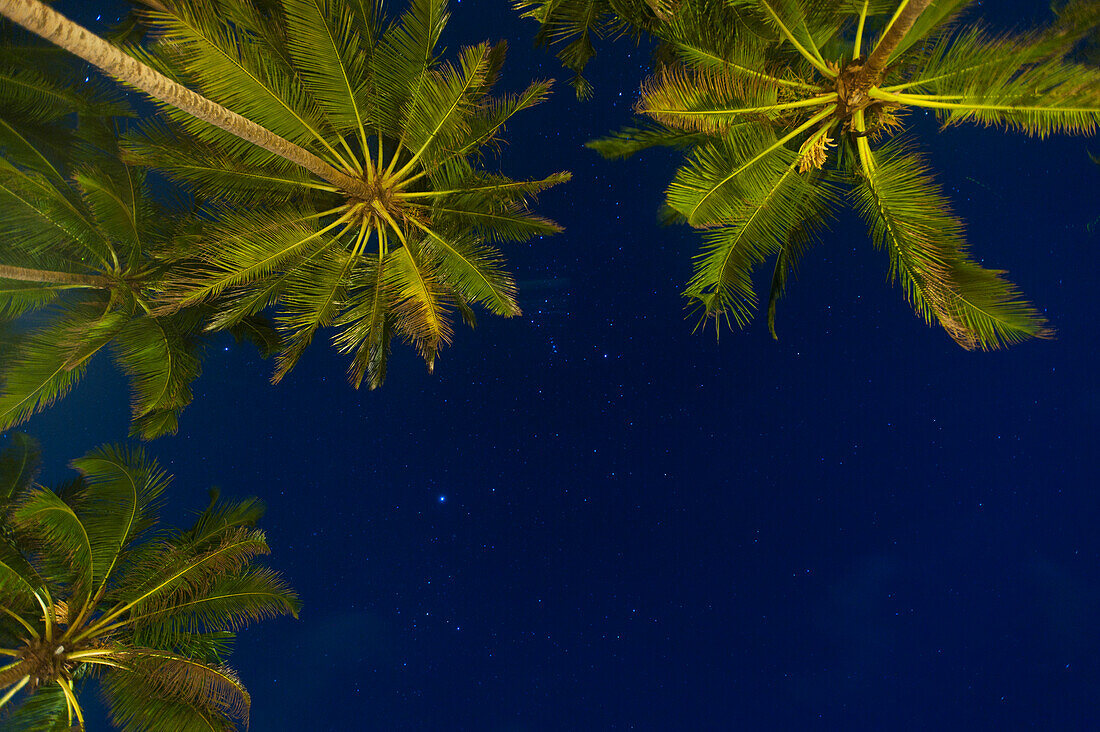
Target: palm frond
x=61 y=542
x=216 y=175
x=221 y=516
x=180 y=574
x=632 y=139
x=241 y=248
x=43 y=364
x=706 y=100
x=911 y=219
x=42 y=711
x=159 y=356
x=719 y=174
x=315 y=295
x=438 y=117
x=417 y=301
x=471 y=269
x=118 y=503
x=231 y=603
x=325 y=40
x=18 y=298
x=19 y=464
x=754 y=226
x=365 y=328
x=136 y=704
x=400 y=63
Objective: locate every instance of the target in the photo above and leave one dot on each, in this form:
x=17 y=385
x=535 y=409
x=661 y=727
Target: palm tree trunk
x=876 y=62
x=22 y=274
x=59 y=30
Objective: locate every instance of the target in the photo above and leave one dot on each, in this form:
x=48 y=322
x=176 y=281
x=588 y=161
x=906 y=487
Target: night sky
x=590 y=518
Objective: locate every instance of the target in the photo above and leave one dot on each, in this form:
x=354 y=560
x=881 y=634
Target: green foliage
x=781 y=106
x=91 y=587
x=411 y=245
x=85 y=248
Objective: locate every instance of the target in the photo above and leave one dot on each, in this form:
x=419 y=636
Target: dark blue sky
x=589 y=518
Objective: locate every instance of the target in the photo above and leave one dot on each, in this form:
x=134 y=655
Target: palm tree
x=787 y=106
x=85 y=244
x=91 y=588
x=360 y=202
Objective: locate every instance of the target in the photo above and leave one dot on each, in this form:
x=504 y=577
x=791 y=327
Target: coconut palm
x=348 y=173
x=91 y=588
x=791 y=106
x=85 y=244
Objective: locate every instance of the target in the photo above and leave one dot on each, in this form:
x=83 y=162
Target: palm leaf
x=365 y=326
x=912 y=220
x=632 y=139
x=417 y=302
x=62 y=543
x=19 y=463
x=45 y=363
x=159 y=357
x=122 y=488
x=472 y=270
x=325 y=40
x=399 y=65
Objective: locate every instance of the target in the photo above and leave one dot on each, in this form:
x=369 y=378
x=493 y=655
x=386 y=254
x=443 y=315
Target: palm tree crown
x=404 y=235
x=91 y=588
x=787 y=106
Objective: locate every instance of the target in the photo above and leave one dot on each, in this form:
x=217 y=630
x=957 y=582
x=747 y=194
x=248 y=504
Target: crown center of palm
x=852 y=87
x=46 y=660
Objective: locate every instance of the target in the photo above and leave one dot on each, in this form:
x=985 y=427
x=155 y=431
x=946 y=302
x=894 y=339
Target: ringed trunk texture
x=59 y=30
x=22 y=274
x=876 y=62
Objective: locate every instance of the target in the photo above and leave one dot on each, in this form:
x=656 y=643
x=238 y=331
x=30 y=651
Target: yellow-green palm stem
x=355 y=167
x=82 y=655
x=9 y=652
x=29 y=628
x=71 y=703
x=856 y=49
x=823 y=114
x=916 y=82
x=14 y=690
x=46 y=613
x=813 y=45
x=406 y=181
x=800 y=104
x=894 y=17
x=930 y=101
x=105 y=662
x=396 y=154
x=360 y=241
x=859 y=124
x=825 y=70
